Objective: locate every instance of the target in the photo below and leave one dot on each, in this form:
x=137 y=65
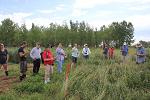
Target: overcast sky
x=95 y=12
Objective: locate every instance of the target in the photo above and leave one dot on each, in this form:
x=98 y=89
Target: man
x=35 y=55
x=4 y=58
x=23 y=60
x=124 y=51
x=140 y=52
x=86 y=51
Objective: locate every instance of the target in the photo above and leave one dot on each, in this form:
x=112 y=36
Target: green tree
x=7 y=32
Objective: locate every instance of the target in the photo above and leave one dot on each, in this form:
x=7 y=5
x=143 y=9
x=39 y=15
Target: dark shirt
x=105 y=51
x=23 y=58
x=3 y=55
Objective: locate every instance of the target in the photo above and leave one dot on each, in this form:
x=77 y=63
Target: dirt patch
x=6 y=83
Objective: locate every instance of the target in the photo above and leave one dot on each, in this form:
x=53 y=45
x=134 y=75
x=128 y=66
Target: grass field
x=94 y=79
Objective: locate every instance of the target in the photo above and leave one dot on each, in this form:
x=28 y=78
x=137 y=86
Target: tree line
x=12 y=34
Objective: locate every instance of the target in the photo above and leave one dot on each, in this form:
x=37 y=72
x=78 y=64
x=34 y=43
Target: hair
x=47 y=46
x=23 y=43
x=38 y=43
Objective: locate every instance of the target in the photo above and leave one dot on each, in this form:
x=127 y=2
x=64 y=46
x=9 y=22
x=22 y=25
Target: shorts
x=3 y=62
x=23 y=66
x=124 y=53
x=74 y=59
x=86 y=56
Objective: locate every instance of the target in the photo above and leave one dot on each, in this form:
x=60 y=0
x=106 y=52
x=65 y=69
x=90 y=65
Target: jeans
x=59 y=66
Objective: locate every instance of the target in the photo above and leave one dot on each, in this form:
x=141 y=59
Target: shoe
x=21 y=78
x=6 y=72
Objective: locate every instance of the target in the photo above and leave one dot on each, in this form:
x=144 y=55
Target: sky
x=94 y=12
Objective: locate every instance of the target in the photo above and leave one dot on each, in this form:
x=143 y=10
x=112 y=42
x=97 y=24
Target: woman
x=75 y=55
x=111 y=52
x=60 y=55
x=4 y=58
x=48 y=63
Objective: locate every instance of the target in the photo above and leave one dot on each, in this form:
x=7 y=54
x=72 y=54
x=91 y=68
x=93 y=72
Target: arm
x=45 y=57
x=89 y=51
x=31 y=53
x=83 y=51
x=7 y=56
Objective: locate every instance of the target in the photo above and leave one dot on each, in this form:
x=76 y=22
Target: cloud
x=59 y=7
x=46 y=11
x=78 y=13
x=16 y=17
x=86 y=4
x=140 y=21
x=139 y=8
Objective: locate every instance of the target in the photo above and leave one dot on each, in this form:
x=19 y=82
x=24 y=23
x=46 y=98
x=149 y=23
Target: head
x=47 y=47
x=139 y=45
x=85 y=45
x=38 y=45
x=1 y=46
x=24 y=44
x=60 y=45
x=75 y=45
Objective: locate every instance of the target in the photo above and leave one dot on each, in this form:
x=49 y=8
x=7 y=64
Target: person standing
x=36 y=56
x=124 y=51
x=86 y=51
x=60 y=56
x=111 y=52
x=4 y=58
x=105 y=51
x=48 y=63
x=23 y=60
x=75 y=55
x=140 y=52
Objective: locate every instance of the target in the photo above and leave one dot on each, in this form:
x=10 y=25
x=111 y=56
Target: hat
x=139 y=45
x=85 y=45
x=124 y=43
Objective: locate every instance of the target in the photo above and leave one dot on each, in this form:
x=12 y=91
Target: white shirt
x=75 y=52
x=86 y=51
x=35 y=53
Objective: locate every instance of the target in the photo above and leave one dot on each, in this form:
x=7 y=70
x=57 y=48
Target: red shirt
x=111 y=51
x=48 y=55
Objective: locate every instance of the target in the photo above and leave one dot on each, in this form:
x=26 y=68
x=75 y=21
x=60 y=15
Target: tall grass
x=93 y=79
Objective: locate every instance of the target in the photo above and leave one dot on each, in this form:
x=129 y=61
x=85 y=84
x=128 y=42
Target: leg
x=5 y=69
x=51 y=69
x=34 y=66
x=25 y=69
x=59 y=66
x=38 y=65
x=46 y=73
x=21 y=71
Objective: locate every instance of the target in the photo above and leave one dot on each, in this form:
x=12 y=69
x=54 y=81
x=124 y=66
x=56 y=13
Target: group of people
x=108 y=52
x=48 y=58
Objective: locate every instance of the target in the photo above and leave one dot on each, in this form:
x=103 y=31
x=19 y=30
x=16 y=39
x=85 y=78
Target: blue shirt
x=140 y=59
x=124 y=50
